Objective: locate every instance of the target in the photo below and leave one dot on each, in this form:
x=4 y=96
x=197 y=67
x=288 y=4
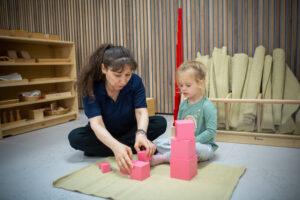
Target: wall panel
x=148 y=28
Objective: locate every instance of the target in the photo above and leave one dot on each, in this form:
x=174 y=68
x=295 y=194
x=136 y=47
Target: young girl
x=196 y=107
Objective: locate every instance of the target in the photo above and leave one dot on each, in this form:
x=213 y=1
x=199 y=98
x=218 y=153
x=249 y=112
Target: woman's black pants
x=84 y=138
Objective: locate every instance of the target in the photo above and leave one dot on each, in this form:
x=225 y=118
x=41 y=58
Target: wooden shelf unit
x=48 y=77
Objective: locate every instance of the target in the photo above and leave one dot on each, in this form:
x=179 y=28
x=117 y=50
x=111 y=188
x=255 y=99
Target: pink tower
x=183 y=161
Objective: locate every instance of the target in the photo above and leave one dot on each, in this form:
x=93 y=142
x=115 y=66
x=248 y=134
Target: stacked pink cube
x=142 y=155
x=183 y=161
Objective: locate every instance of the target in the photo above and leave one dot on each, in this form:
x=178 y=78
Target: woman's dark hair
x=113 y=57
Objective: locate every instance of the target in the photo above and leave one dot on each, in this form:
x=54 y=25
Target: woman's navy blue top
x=118 y=116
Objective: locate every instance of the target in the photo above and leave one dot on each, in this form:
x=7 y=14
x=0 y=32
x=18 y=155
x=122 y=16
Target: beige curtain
x=220 y=80
x=239 y=65
x=267 y=123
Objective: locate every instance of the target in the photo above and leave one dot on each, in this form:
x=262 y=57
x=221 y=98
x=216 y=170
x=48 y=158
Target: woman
x=115 y=103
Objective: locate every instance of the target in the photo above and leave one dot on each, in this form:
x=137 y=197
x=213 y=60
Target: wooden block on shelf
x=36 y=114
x=49 y=79
x=30 y=60
x=52 y=37
x=57 y=95
x=42 y=60
x=151 y=106
x=22 y=121
x=18 y=33
x=12 y=54
x=4 y=32
x=37 y=35
x=24 y=54
x=59 y=111
x=6 y=59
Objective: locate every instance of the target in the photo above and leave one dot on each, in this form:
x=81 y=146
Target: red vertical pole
x=179 y=60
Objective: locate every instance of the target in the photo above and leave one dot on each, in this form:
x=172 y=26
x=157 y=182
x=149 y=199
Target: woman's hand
x=123 y=155
x=141 y=140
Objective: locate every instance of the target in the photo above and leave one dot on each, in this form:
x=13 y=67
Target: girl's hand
x=141 y=140
x=123 y=155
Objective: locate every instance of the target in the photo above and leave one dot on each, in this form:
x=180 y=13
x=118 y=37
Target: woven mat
x=214 y=181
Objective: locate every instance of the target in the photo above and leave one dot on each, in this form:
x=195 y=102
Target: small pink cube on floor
x=140 y=170
x=183 y=149
x=104 y=166
x=142 y=155
x=184 y=169
x=184 y=129
x=100 y=164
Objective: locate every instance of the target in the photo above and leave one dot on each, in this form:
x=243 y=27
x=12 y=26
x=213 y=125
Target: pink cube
x=104 y=166
x=183 y=149
x=126 y=173
x=184 y=129
x=100 y=164
x=142 y=155
x=140 y=170
x=184 y=169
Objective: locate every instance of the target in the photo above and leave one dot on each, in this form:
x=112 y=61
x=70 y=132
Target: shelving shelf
x=36 y=83
x=37 y=124
x=24 y=103
x=35 y=64
x=47 y=77
x=24 y=40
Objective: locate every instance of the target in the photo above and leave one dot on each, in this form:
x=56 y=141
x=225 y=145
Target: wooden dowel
x=11 y=116
x=53 y=106
x=4 y=117
x=18 y=115
x=261 y=101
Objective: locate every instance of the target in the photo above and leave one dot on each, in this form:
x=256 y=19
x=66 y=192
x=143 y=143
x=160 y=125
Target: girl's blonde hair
x=198 y=68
